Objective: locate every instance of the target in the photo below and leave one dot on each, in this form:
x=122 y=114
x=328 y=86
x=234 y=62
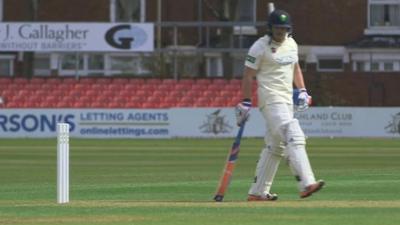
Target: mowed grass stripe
x=212 y=204
x=173 y=182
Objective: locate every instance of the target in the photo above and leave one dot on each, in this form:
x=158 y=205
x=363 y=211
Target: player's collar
x=272 y=41
x=276 y=42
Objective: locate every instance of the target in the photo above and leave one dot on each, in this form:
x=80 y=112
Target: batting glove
x=301 y=100
x=242 y=111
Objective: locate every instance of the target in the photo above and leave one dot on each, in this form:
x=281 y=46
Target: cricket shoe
x=310 y=189
x=264 y=197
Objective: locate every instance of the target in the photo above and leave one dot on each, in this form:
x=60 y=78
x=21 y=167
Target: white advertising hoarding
x=350 y=122
x=65 y=37
x=194 y=122
x=316 y=122
x=213 y=122
x=85 y=123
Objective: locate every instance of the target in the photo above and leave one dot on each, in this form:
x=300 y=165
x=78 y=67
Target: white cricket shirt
x=275 y=65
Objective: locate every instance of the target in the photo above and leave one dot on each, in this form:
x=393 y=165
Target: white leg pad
x=296 y=153
x=267 y=166
x=300 y=184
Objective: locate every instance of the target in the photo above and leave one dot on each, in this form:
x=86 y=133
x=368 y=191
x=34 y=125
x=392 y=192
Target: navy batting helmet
x=279 y=18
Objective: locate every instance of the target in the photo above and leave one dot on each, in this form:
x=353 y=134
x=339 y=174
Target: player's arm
x=242 y=109
x=298 y=77
x=251 y=67
x=247 y=82
x=252 y=64
x=301 y=98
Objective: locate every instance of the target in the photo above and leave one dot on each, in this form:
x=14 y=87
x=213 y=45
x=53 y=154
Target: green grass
x=173 y=182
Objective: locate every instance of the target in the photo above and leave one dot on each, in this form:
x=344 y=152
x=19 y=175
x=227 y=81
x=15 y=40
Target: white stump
x=62 y=163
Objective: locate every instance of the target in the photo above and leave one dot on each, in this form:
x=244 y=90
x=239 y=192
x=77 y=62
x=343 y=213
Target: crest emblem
x=394 y=125
x=216 y=124
x=283 y=18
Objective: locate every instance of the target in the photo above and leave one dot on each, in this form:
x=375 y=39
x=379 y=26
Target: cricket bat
x=229 y=166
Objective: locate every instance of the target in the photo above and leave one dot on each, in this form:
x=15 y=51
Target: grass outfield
x=173 y=182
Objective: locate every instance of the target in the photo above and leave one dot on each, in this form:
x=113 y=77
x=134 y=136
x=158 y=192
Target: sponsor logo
x=216 y=124
x=16 y=123
x=250 y=59
x=126 y=36
x=393 y=126
x=34 y=32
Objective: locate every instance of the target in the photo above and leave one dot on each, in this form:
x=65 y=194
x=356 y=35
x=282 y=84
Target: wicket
x=62 y=163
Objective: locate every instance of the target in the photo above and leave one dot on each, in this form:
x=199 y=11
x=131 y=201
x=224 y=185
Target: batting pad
x=267 y=166
x=297 y=155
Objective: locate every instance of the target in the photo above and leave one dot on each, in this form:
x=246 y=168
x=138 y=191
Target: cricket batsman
x=273 y=60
